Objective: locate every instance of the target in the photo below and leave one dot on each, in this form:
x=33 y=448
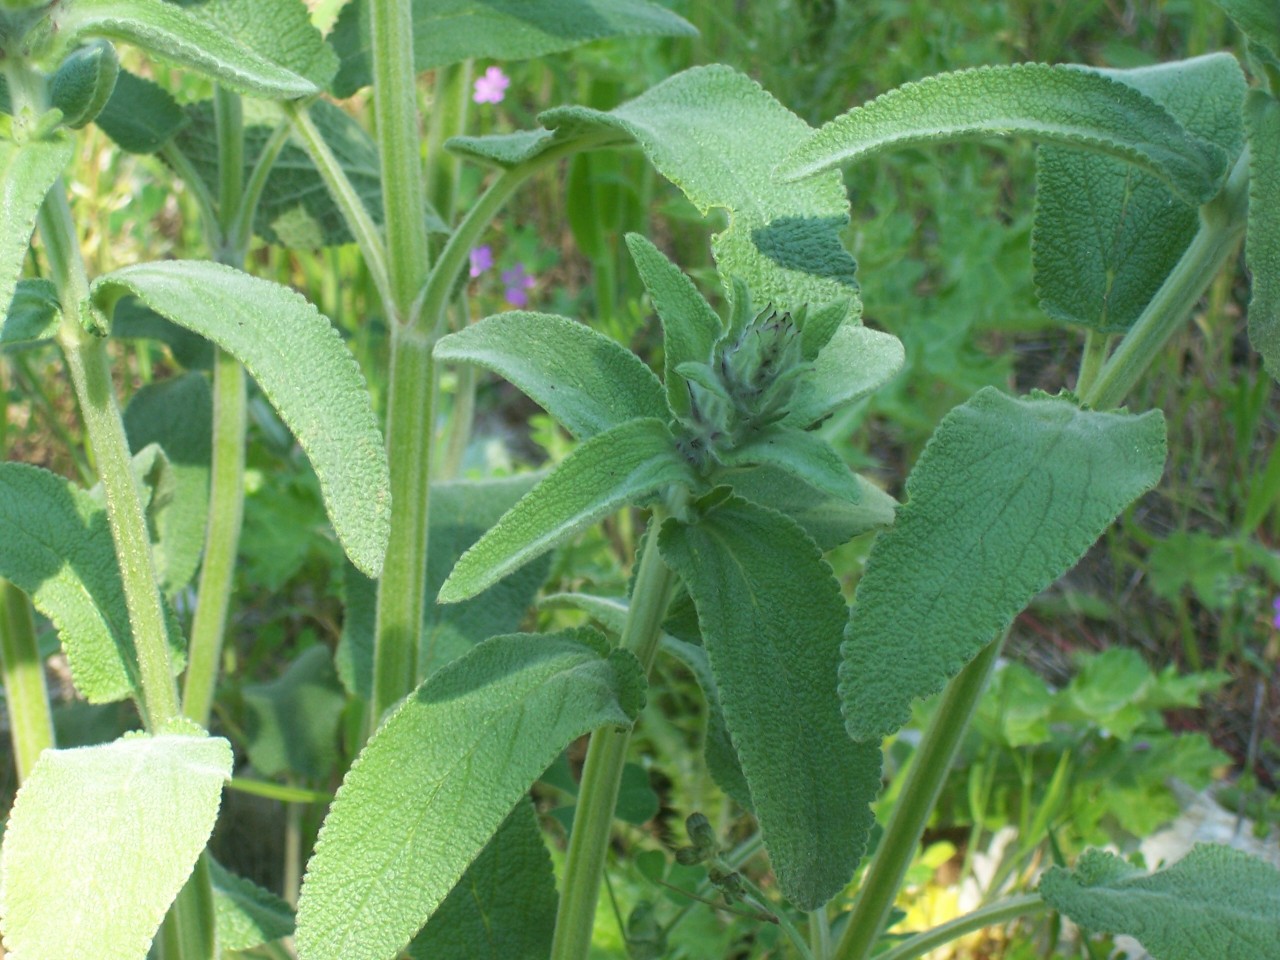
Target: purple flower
x=517 y=282
x=491 y=87
x=1275 y=617
x=481 y=260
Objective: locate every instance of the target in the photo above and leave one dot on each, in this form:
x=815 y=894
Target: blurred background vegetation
x=1147 y=675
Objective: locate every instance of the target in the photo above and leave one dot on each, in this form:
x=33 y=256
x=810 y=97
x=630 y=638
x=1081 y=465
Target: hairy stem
x=26 y=697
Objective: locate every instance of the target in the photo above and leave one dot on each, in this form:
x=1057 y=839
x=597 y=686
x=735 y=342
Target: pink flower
x=481 y=260
x=1275 y=617
x=491 y=87
x=517 y=282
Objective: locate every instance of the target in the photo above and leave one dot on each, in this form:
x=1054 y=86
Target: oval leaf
x=440 y=775
x=236 y=45
x=1055 y=104
x=304 y=369
x=771 y=616
x=1214 y=902
x=1008 y=494
x=450 y=31
x=612 y=469
x=586 y=381
x=100 y=841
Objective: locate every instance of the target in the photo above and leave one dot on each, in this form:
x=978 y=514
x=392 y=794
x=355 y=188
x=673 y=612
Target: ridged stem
x=26 y=697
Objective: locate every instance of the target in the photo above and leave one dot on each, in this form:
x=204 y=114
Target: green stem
x=26 y=697
x=1091 y=361
x=929 y=768
x=449 y=110
x=989 y=916
x=291 y=883
x=1222 y=223
x=820 y=934
x=277 y=791
x=222 y=537
x=240 y=231
x=606 y=756
x=192 y=181
x=189 y=931
x=461 y=421
x=228 y=115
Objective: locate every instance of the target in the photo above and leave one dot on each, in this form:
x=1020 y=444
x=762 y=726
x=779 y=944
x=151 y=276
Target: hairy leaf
x=291 y=722
x=588 y=382
x=1054 y=104
x=27 y=171
x=133 y=320
x=178 y=415
x=450 y=31
x=771 y=616
x=101 y=839
x=805 y=456
x=56 y=546
x=1215 y=902
x=442 y=773
x=620 y=466
x=34 y=312
x=1257 y=20
x=829 y=520
x=690 y=328
x=304 y=369
x=141 y=116
x=703 y=129
x=855 y=362
x=265 y=48
x=1262 y=243
x=504 y=907
x=246 y=915
x=1106 y=233
x=1007 y=496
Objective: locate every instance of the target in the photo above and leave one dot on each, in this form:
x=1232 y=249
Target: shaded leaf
x=34 y=312
x=291 y=723
x=1262 y=242
x=304 y=369
x=1215 y=902
x=27 y=171
x=805 y=456
x=588 y=382
x=450 y=31
x=1007 y=496
x=771 y=616
x=101 y=839
x=133 y=320
x=246 y=915
x=1257 y=20
x=140 y=116
x=1054 y=104
x=829 y=520
x=442 y=773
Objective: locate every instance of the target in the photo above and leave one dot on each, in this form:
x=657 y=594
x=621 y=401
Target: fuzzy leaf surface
x=34 y=312
x=303 y=367
x=1008 y=494
x=56 y=546
x=702 y=129
x=177 y=414
x=140 y=116
x=440 y=776
x=829 y=520
x=264 y=48
x=588 y=382
x=612 y=469
x=450 y=31
x=1214 y=902
x=771 y=617
x=1106 y=233
x=1262 y=239
x=1257 y=20
x=805 y=456
x=690 y=328
x=27 y=171
x=855 y=362
x=504 y=907
x=1054 y=104
x=101 y=839
x=246 y=915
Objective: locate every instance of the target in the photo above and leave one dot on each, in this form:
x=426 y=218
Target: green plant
x=430 y=845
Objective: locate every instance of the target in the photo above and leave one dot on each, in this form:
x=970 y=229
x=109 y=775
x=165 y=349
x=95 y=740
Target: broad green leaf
x=1106 y=233
x=703 y=129
x=141 y=116
x=855 y=363
x=304 y=369
x=442 y=773
x=291 y=722
x=620 y=466
x=265 y=48
x=1257 y=20
x=805 y=456
x=133 y=320
x=101 y=839
x=1007 y=496
x=450 y=31
x=56 y=546
x=34 y=312
x=1214 y=902
x=246 y=915
x=829 y=520
x=296 y=208
x=27 y=171
x=1262 y=243
x=690 y=328
x=771 y=616
x=722 y=760
x=1053 y=104
x=178 y=415
x=504 y=907
x=588 y=382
